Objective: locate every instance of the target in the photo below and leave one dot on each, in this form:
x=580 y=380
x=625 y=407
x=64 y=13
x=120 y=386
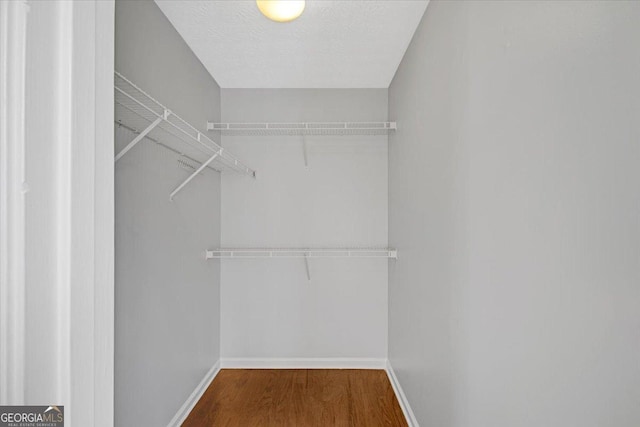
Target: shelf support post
x=305 y=146
x=193 y=175
x=306 y=263
x=138 y=138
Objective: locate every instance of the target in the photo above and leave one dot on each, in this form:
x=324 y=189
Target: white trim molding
x=13 y=34
x=303 y=363
x=402 y=398
x=76 y=110
x=104 y=217
x=194 y=397
x=86 y=211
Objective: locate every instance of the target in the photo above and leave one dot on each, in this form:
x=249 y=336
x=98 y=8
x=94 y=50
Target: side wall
x=426 y=210
x=167 y=295
x=269 y=308
x=514 y=205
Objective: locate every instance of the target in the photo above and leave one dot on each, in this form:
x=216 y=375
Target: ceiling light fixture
x=281 y=10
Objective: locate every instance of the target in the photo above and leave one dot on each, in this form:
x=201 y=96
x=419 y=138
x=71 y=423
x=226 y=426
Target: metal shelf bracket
x=138 y=138
x=306 y=263
x=194 y=174
x=305 y=146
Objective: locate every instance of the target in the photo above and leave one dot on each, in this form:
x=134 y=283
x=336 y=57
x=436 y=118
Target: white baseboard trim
x=402 y=399
x=303 y=363
x=195 y=396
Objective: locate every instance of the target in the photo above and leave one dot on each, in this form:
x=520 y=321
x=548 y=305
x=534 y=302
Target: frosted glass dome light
x=281 y=10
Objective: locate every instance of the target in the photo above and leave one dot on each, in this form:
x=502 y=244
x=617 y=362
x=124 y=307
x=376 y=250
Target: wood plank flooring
x=298 y=397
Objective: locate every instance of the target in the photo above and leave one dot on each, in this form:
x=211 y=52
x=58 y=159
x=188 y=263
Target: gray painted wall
x=269 y=308
x=167 y=295
x=514 y=205
x=426 y=163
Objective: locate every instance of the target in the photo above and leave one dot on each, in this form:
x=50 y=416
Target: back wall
x=269 y=308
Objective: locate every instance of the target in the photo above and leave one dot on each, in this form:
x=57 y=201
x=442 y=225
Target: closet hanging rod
x=138 y=110
x=302 y=253
x=304 y=128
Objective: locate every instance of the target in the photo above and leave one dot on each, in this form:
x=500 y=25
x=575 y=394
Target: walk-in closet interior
x=379 y=213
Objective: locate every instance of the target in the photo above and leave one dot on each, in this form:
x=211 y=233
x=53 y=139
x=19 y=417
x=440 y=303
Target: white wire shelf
x=139 y=111
x=329 y=128
x=302 y=253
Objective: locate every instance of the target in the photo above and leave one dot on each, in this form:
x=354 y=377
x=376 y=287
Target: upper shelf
x=141 y=112
x=302 y=253
x=329 y=128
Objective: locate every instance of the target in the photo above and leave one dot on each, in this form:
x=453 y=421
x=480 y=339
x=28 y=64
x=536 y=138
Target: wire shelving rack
x=305 y=128
x=139 y=111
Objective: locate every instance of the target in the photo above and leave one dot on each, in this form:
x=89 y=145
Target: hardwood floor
x=298 y=397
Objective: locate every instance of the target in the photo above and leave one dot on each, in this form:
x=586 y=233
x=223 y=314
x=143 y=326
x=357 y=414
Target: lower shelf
x=302 y=253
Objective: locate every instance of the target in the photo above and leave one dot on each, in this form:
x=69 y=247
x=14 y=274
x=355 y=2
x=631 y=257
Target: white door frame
x=87 y=189
x=13 y=25
x=91 y=230
x=104 y=188
x=84 y=215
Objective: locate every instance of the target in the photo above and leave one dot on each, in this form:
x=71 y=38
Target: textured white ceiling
x=334 y=44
